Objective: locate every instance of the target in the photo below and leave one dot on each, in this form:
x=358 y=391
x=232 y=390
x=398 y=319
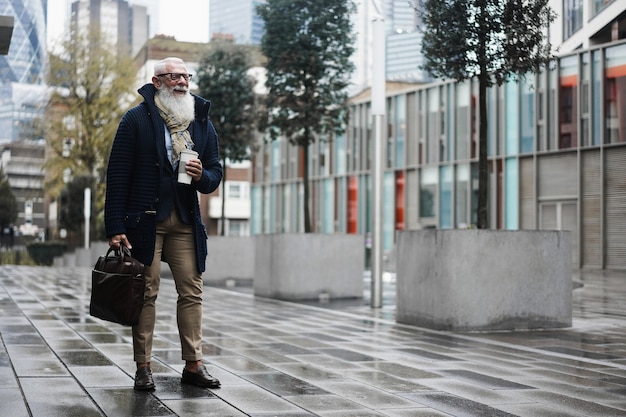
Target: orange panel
x=616 y=72
x=353 y=205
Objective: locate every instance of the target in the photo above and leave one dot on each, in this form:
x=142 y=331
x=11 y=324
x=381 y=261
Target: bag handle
x=122 y=252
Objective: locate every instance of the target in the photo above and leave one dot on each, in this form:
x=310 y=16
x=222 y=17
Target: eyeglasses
x=175 y=76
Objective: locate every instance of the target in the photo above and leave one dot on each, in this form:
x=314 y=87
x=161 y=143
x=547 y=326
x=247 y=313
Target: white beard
x=180 y=107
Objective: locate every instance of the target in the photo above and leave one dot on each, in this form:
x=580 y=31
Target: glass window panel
x=388 y=210
x=572 y=16
x=276 y=159
x=461 y=195
x=596 y=93
x=462 y=131
x=391 y=133
x=445 y=197
x=527 y=116
x=342 y=205
x=511 y=117
x=340 y=155
x=328 y=212
x=400 y=130
x=615 y=97
x=492 y=122
x=511 y=194
x=256 y=210
x=598 y=5
x=568 y=102
x=432 y=131
x=428 y=191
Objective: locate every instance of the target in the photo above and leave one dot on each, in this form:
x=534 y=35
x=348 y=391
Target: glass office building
x=22 y=70
x=26 y=59
x=236 y=20
x=557 y=160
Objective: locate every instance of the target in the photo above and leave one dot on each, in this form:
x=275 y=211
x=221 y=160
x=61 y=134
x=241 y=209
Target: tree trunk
x=482 y=221
x=223 y=195
x=483 y=164
x=305 y=181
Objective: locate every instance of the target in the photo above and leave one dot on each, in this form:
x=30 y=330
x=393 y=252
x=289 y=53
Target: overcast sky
x=193 y=27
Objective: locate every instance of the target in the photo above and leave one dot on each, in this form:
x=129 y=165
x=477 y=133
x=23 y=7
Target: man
x=146 y=209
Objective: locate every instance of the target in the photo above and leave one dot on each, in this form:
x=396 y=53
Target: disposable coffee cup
x=186 y=155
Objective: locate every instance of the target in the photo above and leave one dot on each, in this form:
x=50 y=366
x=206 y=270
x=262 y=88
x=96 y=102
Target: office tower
x=121 y=24
x=236 y=20
x=25 y=61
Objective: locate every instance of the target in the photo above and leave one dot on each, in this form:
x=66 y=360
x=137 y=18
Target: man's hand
x=117 y=240
x=193 y=167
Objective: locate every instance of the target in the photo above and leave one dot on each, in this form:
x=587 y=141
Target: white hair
x=161 y=66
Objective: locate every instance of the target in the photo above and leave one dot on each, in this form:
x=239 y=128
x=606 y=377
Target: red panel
x=353 y=204
x=399 y=200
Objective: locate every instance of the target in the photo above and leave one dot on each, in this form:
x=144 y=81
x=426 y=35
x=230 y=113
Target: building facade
x=22 y=162
x=235 y=20
x=122 y=24
x=557 y=159
x=25 y=63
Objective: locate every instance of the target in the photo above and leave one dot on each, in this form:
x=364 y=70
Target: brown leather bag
x=117 y=287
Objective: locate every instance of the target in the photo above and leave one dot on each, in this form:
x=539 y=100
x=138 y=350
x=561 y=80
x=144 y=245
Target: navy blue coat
x=142 y=185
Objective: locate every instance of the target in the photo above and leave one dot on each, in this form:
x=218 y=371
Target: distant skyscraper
x=22 y=70
x=236 y=19
x=122 y=24
x=152 y=7
x=26 y=59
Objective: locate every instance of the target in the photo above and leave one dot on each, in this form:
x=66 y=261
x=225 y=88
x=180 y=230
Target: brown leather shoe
x=200 y=379
x=143 y=379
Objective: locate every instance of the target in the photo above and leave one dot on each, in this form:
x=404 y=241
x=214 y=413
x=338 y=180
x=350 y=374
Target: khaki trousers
x=175 y=241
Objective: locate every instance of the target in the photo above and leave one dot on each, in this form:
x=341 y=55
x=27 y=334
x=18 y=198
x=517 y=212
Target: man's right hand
x=117 y=240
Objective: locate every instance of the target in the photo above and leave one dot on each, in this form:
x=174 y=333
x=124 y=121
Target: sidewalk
x=285 y=359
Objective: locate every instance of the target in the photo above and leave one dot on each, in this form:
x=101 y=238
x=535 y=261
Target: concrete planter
x=484 y=279
x=230 y=261
x=309 y=266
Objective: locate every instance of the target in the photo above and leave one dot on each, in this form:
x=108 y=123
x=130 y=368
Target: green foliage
x=72 y=206
x=308 y=45
x=495 y=39
x=43 y=253
x=8 y=203
x=223 y=78
x=16 y=257
x=94 y=85
x=492 y=40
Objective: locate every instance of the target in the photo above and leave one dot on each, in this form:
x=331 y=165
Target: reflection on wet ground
x=339 y=358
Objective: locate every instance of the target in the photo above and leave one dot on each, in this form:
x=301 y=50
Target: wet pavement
x=285 y=359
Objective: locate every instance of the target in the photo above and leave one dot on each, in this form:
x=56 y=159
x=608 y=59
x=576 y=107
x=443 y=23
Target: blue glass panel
x=511 y=117
x=511 y=194
x=527 y=116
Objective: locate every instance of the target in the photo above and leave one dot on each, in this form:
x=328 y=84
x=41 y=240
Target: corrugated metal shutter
x=549 y=220
x=615 y=207
x=591 y=209
x=558 y=175
x=528 y=208
x=568 y=222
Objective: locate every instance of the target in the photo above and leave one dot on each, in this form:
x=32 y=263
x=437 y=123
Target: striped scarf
x=181 y=138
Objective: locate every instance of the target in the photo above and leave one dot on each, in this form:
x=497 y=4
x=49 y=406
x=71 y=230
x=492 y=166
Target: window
x=572 y=17
x=237 y=189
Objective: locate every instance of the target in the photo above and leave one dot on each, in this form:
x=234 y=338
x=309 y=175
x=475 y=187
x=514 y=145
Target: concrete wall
x=305 y=266
x=484 y=279
x=230 y=258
